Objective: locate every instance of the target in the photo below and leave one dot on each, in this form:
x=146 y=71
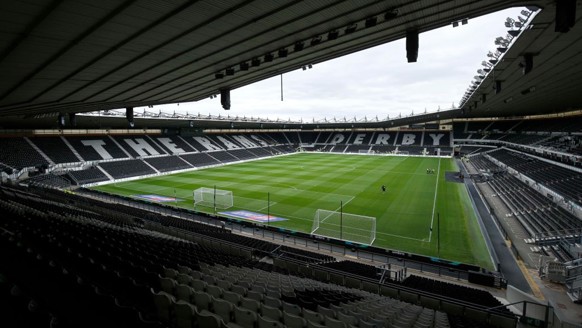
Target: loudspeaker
x=527 y=63
x=129 y=113
x=129 y=116
x=225 y=98
x=497 y=87
x=61 y=120
x=565 y=15
x=72 y=119
x=412 y=45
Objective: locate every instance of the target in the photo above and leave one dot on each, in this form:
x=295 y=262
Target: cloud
x=374 y=82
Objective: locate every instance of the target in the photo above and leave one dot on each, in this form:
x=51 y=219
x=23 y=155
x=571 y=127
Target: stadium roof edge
x=170 y=53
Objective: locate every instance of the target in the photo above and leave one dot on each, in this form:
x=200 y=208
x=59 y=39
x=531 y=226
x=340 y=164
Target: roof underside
x=554 y=83
x=79 y=56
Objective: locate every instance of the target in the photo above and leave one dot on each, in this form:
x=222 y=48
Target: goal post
x=345 y=226
x=212 y=197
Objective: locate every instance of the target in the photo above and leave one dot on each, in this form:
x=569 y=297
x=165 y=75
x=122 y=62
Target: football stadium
x=119 y=213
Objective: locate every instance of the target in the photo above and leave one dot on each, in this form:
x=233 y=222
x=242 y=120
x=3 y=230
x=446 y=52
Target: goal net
x=345 y=226
x=211 y=197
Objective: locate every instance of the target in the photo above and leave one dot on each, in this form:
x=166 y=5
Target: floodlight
x=351 y=28
x=371 y=21
x=316 y=40
x=332 y=35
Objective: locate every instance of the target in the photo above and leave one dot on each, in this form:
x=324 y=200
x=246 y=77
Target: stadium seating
x=293 y=137
x=21 y=154
x=537 y=213
x=223 y=156
x=96 y=148
x=357 y=268
x=121 y=275
x=303 y=255
x=467 y=150
x=455 y=291
x=90 y=175
x=203 y=150
x=481 y=163
x=308 y=137
x=358 y=148
x=127 y=168
x=168 y=163
x=560 y=179
x=260 y=152
x=56 y=149
x=200 y=159
x=139 y=146
x=242 y=154
x=174 y=144
x=50 y=181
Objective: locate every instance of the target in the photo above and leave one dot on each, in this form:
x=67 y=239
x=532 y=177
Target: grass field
x=301 y=183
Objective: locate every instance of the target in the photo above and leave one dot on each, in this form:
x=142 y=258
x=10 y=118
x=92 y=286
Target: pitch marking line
x=435 y=199
x=399 y=236
x=264 y=207
x=337 y=209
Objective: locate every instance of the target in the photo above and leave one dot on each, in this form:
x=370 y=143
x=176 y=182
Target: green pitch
x=299 y=184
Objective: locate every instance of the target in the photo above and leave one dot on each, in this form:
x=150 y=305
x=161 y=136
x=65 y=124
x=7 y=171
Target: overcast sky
x=373 y=82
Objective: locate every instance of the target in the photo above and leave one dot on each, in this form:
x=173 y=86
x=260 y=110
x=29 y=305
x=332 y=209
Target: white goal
x=211 y=197
x=345 y=226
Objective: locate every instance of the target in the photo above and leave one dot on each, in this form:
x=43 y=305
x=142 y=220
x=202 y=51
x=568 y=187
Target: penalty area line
x=264 y=207
x=337 y=209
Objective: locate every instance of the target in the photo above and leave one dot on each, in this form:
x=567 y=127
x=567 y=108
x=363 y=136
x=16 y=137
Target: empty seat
x=333 y=323
x=271 y=312
x=291 y=308
x=167 y=285
x=242 y=291
x=244 y=317
x=326 y=312
x=250 y=304
x=311 y=324
x=293 y=321
x=198 y=285
x=182 y=278
x=231 y=297
x=202 y=300
x=184 y=314
x=269 y=323
x=207 y=319
x=312 y=316
x=163 y=302
x=223 y=309
x=270 y=301
x=183 y=292
x=252 y=294
x=214 y=291
x=347 y=319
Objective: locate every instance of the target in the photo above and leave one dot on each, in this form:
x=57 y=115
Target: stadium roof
x=549 y=83
x=78 y=56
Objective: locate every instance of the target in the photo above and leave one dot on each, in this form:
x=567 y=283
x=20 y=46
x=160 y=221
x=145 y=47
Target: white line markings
x=435 y=199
